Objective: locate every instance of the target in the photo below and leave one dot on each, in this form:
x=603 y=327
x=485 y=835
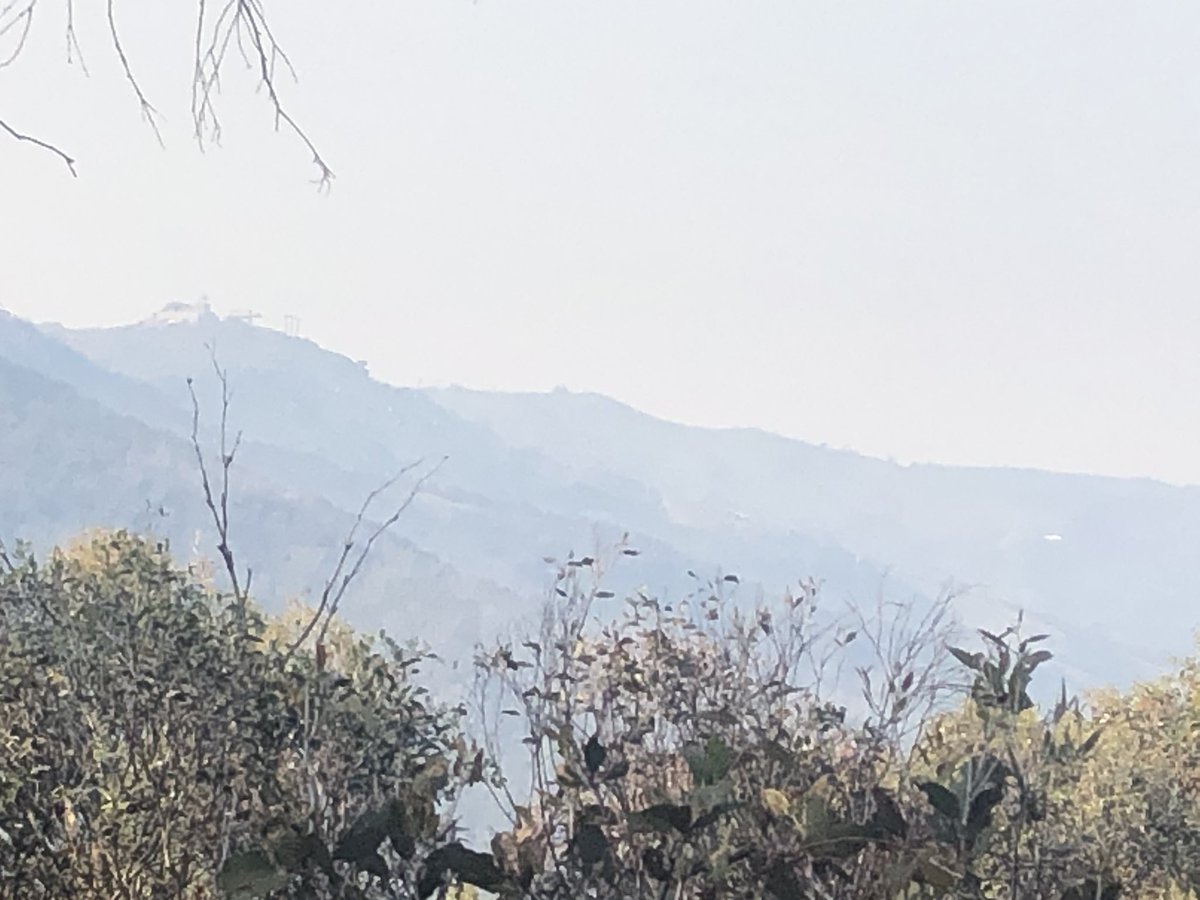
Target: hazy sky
x=955 y=231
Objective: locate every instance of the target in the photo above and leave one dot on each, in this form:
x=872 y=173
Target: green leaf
x=816 y=819
x=1088 y=745
x=594 y=754
x=712 y=815
x=399 y=830
x=361 y=841
x=617 y=770
x=467 y=865
x=250 y=875
x=375 y=864
x=294 y=851
x=888 y=817
x=1035 y=659
x=942 y=799
x=661 y=817
x=979 y=816
x=970 y=660
x=710 y=765
x=841 y=840
x=1093 y=888
x=783 y=882
x=590 y=843
x=656 y=864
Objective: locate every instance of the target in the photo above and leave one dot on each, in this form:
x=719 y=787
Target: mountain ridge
x=533 y=474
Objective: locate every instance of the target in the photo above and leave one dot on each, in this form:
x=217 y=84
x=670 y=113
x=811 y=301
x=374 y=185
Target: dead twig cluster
x=239 y=25
x=356 y=547
x=349 y=562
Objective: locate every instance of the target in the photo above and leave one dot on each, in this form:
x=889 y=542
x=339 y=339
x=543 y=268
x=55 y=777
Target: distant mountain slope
x=23 y=344
x=537 y=474
x=1115 y=554
x=68 y=464
x=322 y=420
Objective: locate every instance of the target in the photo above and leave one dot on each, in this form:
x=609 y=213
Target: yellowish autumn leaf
x=776 y=802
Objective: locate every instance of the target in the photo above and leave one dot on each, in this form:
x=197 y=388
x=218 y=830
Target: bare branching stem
x=355 y=548
x=243 y=23
x=149 y=113
x=349 y=562
x=218 y=507
x=38 y=142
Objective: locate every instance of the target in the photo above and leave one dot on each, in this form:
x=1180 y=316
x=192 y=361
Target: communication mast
x=291 y=326
x=248 y=316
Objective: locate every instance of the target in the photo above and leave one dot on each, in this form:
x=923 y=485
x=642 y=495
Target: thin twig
x=148 y=111
x=258 y=27
x=73 y=49
x=38 y=142
x=244 y=23
x=219 y=510
x=24 y=19
x=343 y=577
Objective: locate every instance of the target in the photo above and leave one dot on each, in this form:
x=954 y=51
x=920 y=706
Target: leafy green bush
x=157 y=739
x=688 y=751
x=155 y=747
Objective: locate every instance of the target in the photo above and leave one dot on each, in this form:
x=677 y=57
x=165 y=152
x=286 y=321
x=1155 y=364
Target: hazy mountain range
x=95 y=431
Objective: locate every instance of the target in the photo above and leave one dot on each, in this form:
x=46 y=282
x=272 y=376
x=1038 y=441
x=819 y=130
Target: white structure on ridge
x=179 y=313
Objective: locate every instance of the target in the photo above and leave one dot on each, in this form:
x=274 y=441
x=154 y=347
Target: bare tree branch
x=38 y=142
x=909 y=665
x=244 y=22
x=73 y=48
x=22 y=20
x=343 y=577
x=238 y=21
x=219 y=508
x=148 y=111
x=349 y=563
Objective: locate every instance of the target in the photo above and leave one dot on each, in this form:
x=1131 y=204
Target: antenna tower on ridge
x=291 y=326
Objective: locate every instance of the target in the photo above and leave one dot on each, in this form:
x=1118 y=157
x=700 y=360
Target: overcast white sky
x=954 y=231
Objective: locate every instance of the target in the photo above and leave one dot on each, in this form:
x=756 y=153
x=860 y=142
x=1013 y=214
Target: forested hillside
x=534 y=475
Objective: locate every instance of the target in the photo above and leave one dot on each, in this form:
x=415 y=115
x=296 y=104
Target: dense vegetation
x=160 y=739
